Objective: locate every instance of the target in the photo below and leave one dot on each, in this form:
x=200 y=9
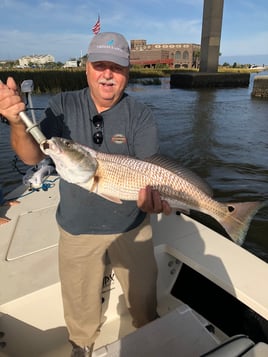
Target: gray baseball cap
x=109 y=46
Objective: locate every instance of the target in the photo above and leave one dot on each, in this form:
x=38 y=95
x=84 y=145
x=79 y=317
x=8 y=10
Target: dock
x=260 y=86
x=209 y=80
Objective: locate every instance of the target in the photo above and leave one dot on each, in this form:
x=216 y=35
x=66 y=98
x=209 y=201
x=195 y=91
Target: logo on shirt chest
x=119 y=139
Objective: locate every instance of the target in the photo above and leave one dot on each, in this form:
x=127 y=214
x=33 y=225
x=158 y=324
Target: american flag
x=96 y=27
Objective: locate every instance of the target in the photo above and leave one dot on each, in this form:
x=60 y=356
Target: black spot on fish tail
x=237 y=222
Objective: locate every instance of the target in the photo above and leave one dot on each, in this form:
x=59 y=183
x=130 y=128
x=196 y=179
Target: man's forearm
x=24 y=145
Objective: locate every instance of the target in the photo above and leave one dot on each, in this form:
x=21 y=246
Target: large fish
x=118 y=177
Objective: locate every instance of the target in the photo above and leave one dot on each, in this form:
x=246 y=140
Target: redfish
x=119 y=177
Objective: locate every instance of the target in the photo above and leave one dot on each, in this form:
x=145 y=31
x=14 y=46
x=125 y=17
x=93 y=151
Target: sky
x=63 y=28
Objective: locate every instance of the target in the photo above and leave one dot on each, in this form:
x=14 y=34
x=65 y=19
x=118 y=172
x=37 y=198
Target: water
x=222 y=134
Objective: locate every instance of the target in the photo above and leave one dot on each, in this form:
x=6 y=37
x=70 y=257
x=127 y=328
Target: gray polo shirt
x=129 y=129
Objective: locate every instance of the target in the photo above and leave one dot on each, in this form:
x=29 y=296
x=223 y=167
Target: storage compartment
x=178 y=333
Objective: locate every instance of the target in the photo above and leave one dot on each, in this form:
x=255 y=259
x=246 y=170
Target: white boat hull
x=30 y=298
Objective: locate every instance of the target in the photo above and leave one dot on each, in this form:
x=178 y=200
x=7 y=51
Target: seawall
x=260 y=86
x=209 y=80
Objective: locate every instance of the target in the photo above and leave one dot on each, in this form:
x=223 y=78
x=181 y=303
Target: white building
x=72 y=63
x=26 y=61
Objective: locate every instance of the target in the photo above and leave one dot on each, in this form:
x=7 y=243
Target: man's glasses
x=98 y=122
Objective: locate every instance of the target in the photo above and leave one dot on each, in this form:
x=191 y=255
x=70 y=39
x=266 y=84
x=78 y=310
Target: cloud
x=243 y=46
x=61 y=46
x=62 y=28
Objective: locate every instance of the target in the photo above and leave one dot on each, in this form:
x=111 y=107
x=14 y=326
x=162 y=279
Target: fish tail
x=237 y=222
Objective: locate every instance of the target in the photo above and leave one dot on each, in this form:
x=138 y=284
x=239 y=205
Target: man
x=105 y=118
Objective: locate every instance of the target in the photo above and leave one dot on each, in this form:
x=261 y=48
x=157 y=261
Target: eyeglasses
x=98 y=122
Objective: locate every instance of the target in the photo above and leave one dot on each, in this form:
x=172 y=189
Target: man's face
x=107 y=82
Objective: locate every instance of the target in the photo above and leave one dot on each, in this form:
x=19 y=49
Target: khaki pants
x=82 y=266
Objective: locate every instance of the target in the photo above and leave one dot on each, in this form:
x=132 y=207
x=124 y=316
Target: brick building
x=175 y=55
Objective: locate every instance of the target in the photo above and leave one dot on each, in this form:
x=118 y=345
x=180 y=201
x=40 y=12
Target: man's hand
x=149 y=201
x=11 y=103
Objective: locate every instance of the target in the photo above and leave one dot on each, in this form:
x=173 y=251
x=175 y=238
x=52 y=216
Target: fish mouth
x=49 y=146
x=44 y=146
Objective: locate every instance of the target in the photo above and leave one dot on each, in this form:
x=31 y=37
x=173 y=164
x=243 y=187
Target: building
x=72 y=64
x=174 y=55
x=35 y=60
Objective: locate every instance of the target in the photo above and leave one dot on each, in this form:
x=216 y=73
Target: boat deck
x=31 y=311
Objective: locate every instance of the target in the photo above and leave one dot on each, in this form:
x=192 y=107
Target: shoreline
x=60 y=80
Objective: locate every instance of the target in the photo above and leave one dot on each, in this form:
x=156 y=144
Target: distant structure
x=39 y=60
x=208 y=75
x=211 y=35
x=174 y=55
x=72 y=64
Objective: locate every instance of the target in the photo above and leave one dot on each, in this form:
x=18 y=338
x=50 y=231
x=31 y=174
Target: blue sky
x=62 y=28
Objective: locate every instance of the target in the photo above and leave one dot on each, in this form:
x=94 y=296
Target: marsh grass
x=49 y=81
x=54 y=81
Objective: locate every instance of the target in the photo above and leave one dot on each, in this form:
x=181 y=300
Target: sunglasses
x=98 y=122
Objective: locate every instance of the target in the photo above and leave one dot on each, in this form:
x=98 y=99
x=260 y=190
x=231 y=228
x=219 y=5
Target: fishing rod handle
x=32 y=128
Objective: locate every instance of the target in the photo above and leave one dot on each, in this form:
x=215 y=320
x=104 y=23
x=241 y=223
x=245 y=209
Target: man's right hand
x=11 y=103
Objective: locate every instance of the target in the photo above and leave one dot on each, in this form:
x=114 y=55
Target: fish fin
x=179 y=206
x=237 y=222
x=110 y=198
x=95 y=189
x=183 y=210
x=185 y=173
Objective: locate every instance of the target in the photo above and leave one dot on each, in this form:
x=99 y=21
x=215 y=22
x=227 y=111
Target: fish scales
x=125 y=176
x=117 y=177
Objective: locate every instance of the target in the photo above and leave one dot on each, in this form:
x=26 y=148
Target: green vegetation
x=49 y=81
x=56 y=80
x=53 y=81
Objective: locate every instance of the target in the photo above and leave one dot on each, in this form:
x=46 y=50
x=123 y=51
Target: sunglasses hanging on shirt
x=98 y=123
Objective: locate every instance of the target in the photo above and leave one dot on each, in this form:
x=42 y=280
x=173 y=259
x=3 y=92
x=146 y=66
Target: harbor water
x=221 y=134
